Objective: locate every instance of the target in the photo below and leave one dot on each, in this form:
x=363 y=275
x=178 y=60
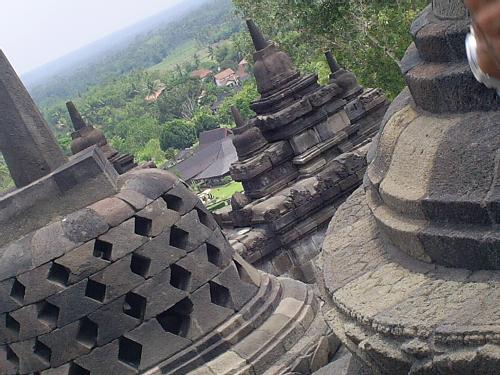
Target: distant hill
x=138 y=47
x=111 y=43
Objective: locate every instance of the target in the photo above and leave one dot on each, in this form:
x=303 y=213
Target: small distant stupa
x=86 y=136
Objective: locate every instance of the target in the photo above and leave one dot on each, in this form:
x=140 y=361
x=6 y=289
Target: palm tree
x=196 y=59
x=211 y=53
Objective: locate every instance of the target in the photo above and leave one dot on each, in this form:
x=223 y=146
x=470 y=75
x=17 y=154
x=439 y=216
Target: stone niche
x=411 y=260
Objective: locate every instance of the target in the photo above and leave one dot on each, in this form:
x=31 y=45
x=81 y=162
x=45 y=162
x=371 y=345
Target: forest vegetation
x=368 y=37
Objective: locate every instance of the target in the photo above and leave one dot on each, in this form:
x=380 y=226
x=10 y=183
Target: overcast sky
x=34 y=32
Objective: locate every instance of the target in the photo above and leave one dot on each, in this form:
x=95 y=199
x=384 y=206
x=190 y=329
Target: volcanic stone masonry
x=85 y=136
x=299 y=158
x=412 y=260
x=102 y=274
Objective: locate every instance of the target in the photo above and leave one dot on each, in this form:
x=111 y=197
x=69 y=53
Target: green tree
x=211 y=53
x=178 y=134
x=242 y=100
x=179 y=99
x=367 y=36
x=152 y=152
x=196 y=60
x=204 y=120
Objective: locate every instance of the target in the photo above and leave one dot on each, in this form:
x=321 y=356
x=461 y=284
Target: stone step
x=439 y=87
x=271 y=347
x=259 y=309
x=440 y=40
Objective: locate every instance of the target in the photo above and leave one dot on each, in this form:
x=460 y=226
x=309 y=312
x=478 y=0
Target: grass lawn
x=226 y=192
x=181 y=54
x=184 y=53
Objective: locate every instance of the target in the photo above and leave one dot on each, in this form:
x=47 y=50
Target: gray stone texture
x=450 y=9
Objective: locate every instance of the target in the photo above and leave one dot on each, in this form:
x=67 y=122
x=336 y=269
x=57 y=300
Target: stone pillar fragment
x=28 y=146
x=450 y=9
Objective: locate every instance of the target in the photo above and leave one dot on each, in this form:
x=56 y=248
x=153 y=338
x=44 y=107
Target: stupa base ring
x=403 y=316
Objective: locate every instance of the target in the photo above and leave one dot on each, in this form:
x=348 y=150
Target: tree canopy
x=368 y=37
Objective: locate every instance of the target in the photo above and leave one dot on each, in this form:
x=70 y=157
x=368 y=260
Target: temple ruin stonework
x=411 y=260
x=102 y=273
x=299 y=158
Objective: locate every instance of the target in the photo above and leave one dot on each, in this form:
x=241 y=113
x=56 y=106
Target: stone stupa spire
x=259 y=41
x=76 y=118
x=86 y=136
x=27 y=144
x=238 y=118
x=332 y=62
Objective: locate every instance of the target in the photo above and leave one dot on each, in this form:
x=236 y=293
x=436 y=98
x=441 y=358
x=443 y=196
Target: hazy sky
x=34 y=32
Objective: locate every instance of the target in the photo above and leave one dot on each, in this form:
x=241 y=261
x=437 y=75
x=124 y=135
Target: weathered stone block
x=120 y=241
x=304 y=141
x=73 y=303
x=37 y=284
x=180 y=199
x=29 y=361
x=118 y=278
x=28 y=146
x=324 y=94
x=69 y=342
x=108 y=355
x=156 y=217
x=206 y=314
x=163 y=291
x=84 y=180
x=81 y=262
x=285 y=116
x=156 y=343
x=113 y=210
x=331 y=127
x=200 y=269
x=114 y=312
x=160 y=253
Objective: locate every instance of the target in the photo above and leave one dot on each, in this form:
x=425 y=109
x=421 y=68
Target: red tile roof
x=225 y=74
x=201 y=73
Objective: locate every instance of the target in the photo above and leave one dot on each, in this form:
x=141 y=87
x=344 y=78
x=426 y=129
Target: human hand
x=486 y=16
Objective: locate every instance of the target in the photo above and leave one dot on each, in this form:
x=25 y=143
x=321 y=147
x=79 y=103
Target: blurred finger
x=488 y=63
x=476 y=5
x=488 y=19
x=488 y=57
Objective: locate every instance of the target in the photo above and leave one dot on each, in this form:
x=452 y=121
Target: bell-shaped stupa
x=412 y=261
x=102 y=274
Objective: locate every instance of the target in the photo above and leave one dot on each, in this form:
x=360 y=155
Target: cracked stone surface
x=384 y=299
